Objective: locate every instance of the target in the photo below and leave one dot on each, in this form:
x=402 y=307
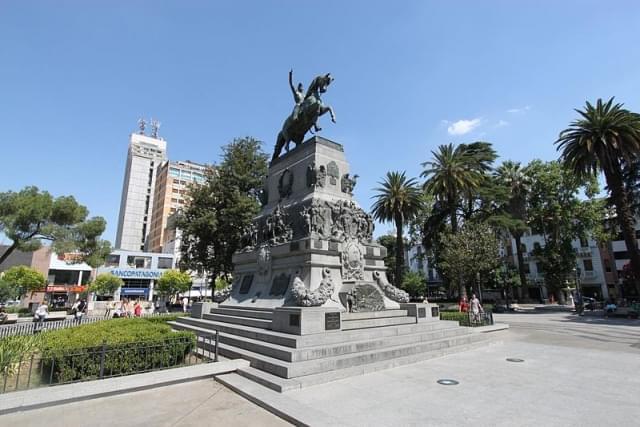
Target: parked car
x=589 y=303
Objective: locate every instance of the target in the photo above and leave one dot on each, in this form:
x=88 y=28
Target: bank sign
x=136 y=274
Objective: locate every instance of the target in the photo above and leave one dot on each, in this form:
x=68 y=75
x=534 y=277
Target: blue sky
x=410 y=75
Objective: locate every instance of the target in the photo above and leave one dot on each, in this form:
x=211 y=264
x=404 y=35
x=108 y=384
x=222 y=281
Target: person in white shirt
x=185 y=304
x=41 y=313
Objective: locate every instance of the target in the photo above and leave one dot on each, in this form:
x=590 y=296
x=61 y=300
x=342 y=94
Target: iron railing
x=33 y=327
x=52 y=368
x=484 y=318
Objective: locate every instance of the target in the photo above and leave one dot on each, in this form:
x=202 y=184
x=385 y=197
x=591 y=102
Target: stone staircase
x=368 y=342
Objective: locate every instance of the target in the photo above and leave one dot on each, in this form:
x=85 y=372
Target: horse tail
x=279 y=145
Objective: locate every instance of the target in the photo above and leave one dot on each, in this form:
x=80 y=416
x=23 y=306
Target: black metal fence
x=484 y=318
x=51 y=368
x=29 y=328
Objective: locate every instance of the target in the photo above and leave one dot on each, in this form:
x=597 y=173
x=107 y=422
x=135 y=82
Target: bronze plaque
x=246 y=284
x=422 y=312
x=435 y=312
x=368 y=298
x=332 y=321
x=280 y=285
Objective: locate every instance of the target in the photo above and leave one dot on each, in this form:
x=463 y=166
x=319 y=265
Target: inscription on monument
x=332 y=321
x=422 y=312
x=246 y=284
x=280 y=285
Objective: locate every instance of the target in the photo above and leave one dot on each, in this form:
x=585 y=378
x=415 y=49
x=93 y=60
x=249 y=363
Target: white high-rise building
x=146 y=153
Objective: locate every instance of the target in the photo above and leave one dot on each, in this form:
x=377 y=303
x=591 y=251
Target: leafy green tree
x=558 y=212
x=511 y=176
x=219 y=211
x=602 y=140
x=414 y=284
x=398 y=200
x=470 y=253
x=389 y=242
x=30 y=216
x=7 y=292
x=106 y=284
x=172 y=282
x=24 y=279
x=454 y=176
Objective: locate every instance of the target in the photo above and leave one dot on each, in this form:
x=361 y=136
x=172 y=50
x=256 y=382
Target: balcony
x=583 y=252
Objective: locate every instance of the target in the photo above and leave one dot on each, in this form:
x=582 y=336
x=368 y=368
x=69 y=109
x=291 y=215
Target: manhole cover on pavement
x=514 y=359
x=447 y=382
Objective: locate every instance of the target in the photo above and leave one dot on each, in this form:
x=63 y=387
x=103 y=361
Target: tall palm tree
x=605 y=137
x=456 y=173
x=515 y=179
x=398 y=200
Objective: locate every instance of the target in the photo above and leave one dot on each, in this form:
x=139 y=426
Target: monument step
x=306 y=341
x=287 y=384
x=254 y=314
x=374 y=314
x=348 y=324
x=245 y=307
x=297 y=369
x=239 y=320
x=289 y=354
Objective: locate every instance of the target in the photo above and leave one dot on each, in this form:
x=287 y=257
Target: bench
x=11 y=318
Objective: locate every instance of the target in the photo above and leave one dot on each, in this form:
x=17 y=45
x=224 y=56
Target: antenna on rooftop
x=142 y=124
x=155 y=127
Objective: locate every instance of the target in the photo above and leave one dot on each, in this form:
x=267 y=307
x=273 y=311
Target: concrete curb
x=57 y=395
x=491 y=328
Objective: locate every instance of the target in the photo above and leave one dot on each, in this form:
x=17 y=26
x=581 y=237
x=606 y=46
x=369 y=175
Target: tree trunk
x=453 y=217
x=523 y=275
x=8 y=252
x=626 y=221
x=399 y=250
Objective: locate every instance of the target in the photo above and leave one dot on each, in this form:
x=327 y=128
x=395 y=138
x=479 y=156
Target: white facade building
x=417 y=262
x=138 y=270
x=134 y=222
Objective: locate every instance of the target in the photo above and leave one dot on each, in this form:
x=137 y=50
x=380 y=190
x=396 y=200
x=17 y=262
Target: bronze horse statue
x=304 y=115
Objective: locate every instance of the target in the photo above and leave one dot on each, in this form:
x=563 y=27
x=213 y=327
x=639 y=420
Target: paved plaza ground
x=577 y=371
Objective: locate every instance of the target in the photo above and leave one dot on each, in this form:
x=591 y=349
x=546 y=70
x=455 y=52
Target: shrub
x=165 y=318
x=12 y=350
x=127 y=346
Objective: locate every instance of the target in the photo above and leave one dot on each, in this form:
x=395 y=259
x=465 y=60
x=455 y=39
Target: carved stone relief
x=366 y=297
x=312 y=175
x=321 y=176
x=306 y=298
x=285 y=184
x=389 y=290
x=264 y=260
x=337 y=221
x=347 y=184
x=280 y=285
x=352 y=261
x=333 y=172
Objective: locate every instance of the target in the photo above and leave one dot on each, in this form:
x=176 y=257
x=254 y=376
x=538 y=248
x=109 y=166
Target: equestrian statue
x=304 y=116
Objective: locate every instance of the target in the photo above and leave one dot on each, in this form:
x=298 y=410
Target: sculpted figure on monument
x=278 y=230
x=393 y=293
x=321 y=175
x=339 y=220
x=305 y=113
x=348 y=184
x=312 y=175
x=308 y=298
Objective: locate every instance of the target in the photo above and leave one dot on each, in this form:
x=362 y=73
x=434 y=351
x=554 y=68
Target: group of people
x=124 y=308
x=472 y=306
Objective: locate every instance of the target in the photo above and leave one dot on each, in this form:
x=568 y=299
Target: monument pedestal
x=306 y=320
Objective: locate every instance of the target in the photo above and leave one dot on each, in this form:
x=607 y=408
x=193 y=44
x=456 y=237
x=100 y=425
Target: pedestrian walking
x=185 y=304
x=41 y=314
x=137 y=309
x=110 y=306
x=79 y=310
x=476 y=308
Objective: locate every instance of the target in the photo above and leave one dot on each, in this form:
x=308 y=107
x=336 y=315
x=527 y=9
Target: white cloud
x=519 y=110
x=462 y=127
x=502 y=123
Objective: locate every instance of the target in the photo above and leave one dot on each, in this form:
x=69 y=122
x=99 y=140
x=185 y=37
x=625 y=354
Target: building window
x=165 y=262
x=527 y=269
x=607 y=265
x=523 y=248
x=536 y=246
x=621 y=255
x=588 y=265
x=139 y=261
x=539 y=268
x=584 y=243
x=112 y=260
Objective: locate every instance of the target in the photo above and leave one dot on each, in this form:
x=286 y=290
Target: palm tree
x=456 y=173
x=603 y=139
x=514 y=178
x=398 y=200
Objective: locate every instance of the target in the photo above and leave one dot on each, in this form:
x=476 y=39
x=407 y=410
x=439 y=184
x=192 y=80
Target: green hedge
x=131 y=345
x=164 y=318
x=462 y=318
